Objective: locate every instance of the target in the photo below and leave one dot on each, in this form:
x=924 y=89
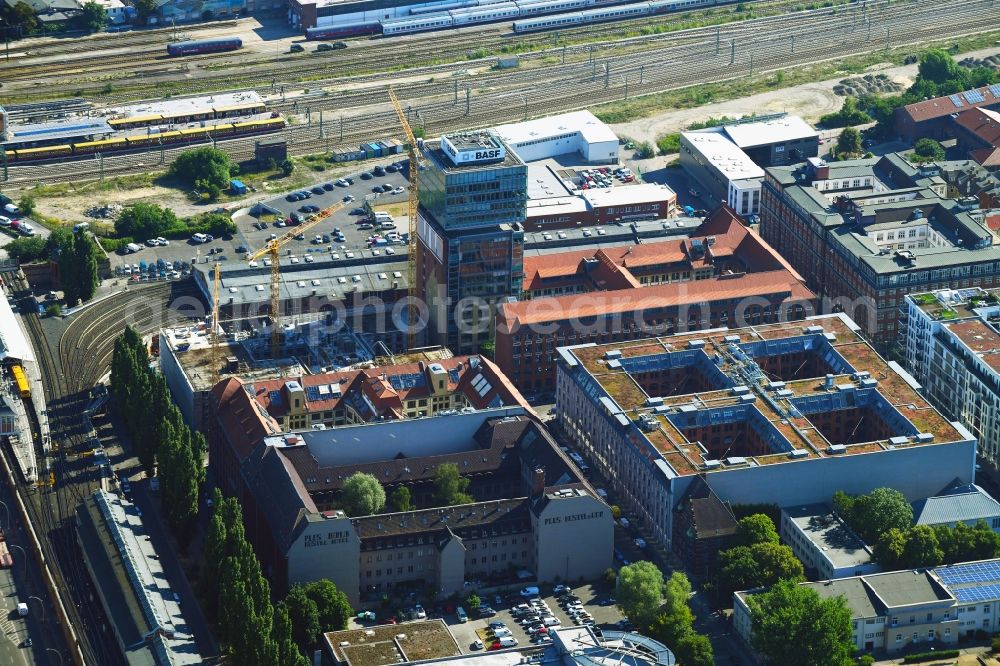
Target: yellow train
x=147 y=140
x=21 y=380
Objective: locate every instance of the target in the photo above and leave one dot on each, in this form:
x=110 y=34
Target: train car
x=498 y=12
x=43 y=153
x=663 y=6
x=343 y=30
x=195 y=46
x=418 y=24
x=441 y=7
x=221 y=129
x=548 y=22
x=21 y=380
x=535 y=7
x=103 y=146
x=194 y=134
x=258 y=126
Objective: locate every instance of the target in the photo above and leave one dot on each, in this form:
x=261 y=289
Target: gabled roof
x=960 y=504
x=278 y=491
x=242 y=421
x=938 y=107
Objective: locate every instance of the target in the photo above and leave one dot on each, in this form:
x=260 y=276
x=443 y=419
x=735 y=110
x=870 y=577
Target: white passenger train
x=468 y=12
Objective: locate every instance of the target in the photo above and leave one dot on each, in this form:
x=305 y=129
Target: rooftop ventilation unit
x=687 y=409
x=785 y=393
x=749 y=397
x=813 y=329
x=862 y=374
x=740 y=390
x=828 y=384
x=731 y=338
x=836 y=448
x=653 y=402
x=845 y=388
x=612 y=353
x=924 y=437
x=736 y=460
x=899 y=440
x=775 y=386
x=712 y=464
x=798 y=453
x=696 y=344
x=869 y=383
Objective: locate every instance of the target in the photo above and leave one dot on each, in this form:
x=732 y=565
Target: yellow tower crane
x=411 y=254
x=272 y=248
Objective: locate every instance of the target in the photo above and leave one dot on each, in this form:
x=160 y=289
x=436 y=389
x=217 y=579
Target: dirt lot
x=810 y=101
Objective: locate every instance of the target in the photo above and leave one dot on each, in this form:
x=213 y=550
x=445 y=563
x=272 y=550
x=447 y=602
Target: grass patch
x=694 y=96
x=110 y=184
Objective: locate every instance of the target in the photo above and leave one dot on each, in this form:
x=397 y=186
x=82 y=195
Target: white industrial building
x=577 y=132
x=723 y=169
x=951 y=338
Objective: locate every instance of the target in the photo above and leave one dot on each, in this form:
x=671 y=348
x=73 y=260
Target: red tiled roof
x=580 y=306
x=943 y=106
x=243 y=421
x=984 y=123
x=376 y=385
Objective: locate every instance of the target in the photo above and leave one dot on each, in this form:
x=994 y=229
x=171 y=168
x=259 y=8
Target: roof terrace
x=762 y=395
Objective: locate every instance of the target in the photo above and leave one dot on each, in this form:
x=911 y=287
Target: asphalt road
x=248 y=237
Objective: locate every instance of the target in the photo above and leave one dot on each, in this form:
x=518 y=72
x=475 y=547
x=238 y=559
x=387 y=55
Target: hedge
x=930 y=656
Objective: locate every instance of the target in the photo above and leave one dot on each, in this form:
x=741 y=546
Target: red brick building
x=933 y=117
x=723 y=275
x=978 y=132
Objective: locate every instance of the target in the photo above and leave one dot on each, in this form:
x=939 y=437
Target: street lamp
x=6 y=512
x=41 y=604
x=14 y=545
x=58 y=654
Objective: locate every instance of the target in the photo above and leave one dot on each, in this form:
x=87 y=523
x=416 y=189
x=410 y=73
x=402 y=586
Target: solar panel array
x=406 y=381
x=974 y=97
x=956 y=100
x=995 y=89
x=975 y=572
x=979 y=593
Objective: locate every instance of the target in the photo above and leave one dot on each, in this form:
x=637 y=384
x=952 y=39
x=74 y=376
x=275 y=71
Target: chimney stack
x=537 y=481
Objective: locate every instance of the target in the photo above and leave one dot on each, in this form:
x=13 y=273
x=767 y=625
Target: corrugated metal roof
x=967 y=503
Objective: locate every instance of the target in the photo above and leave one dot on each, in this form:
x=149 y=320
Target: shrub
x=930 y=656
x=669 y=144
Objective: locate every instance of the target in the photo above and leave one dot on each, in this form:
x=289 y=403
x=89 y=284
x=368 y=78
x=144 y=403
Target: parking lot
x=253 y=233
x=595 y=598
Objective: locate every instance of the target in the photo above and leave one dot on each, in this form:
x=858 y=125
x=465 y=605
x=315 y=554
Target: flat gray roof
x=906 y=588
x=837 y=542
x=859 y=597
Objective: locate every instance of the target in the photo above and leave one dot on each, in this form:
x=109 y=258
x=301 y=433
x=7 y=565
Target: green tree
x=849 y=142
x=473 y=600
x=144 y=9
x=873 y=513
x=694 y=650
x=399 y=500
x=791 y=624
x=69 y=269
x=929 y=149
x=27 y=205
x=304 y=616
x=921 y=549
x=759 y=565
x=675 y=619
x=23 y=15
x=207 y=169
x=888 y=550
x=644 y=150
x=92 y=17
x=362 y=495
x=28 y=249
x=849 y=114
x=756 y=528
x=281 y=649
x=141 y=221
x=937 y=66
x=334 y=608
x=640 y=591
x=450 y=486
x=287 y=166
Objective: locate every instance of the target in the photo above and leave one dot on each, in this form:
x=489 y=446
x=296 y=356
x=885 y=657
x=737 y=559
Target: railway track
x=53 y=512
x=84 y=354
x=577 y=84
x=371 y=57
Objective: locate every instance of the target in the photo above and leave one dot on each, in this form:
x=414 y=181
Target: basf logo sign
x=480 y=147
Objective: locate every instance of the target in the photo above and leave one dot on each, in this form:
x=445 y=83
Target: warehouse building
x=579 y=133
x=933 y=118
x=864 y=233
x=960 y=503
x=909 y=610
x=631 y=292
x=729 y=160
x=782 y=414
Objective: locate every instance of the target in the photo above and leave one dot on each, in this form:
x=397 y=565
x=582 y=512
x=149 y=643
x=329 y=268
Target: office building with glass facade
x=473 y=195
